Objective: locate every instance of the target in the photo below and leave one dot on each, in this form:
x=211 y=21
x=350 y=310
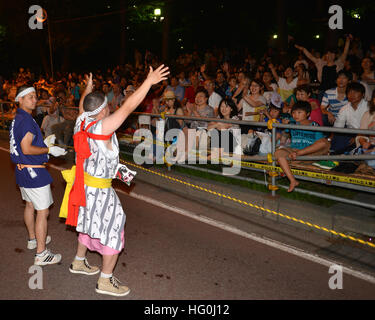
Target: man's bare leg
x=41 y=229
x=29 y=219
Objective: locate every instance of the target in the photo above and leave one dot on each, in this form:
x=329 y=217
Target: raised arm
x=114 y=121
x=274 y=73
x=346 y=48
x=307 y=54
x=88 y=89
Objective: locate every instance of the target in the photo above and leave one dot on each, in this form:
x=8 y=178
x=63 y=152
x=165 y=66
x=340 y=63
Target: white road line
x=269 y=242
x=264 y=240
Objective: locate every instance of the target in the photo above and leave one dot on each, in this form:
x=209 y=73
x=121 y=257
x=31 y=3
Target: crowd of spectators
x=331 y=88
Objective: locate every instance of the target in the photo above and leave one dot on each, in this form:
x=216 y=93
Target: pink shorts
x=95 y=245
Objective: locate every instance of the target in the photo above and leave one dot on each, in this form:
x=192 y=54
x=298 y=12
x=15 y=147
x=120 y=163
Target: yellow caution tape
x=339 y=234
x=317 y=175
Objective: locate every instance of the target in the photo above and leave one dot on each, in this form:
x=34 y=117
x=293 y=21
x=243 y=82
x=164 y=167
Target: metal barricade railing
x=272 y=160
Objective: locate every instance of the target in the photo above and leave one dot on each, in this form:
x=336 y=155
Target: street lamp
x=274 y=36
x=157 y=12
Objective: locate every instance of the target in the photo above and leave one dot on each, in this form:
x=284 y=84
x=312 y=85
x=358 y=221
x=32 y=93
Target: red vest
x=77 y=196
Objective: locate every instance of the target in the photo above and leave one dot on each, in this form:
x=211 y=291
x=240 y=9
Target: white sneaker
x=32 y=244
x=47 y=258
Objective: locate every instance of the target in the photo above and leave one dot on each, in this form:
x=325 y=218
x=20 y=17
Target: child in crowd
x=303 y=142
x=303 y=93
x=274 y=112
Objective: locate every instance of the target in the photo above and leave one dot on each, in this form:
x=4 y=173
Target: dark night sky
x=199 y=24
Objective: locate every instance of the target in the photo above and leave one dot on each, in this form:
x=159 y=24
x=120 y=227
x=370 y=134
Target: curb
x=348 y=221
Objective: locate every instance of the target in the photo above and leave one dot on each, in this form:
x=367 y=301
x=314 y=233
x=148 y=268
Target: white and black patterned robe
x=103 y=217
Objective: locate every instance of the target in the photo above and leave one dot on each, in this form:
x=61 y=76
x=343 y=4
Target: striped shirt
x=330 y=99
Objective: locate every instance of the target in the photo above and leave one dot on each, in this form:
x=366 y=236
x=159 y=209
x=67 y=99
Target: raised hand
x=158 y=75
x=89 y=82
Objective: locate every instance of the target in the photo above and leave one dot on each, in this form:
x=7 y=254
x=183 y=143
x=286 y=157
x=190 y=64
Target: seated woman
x=252 y=102
x=227 y=110
x=199 y=109
x=172 y=106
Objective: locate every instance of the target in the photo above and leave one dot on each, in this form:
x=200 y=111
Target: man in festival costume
x=90 y=203
x=30 y=153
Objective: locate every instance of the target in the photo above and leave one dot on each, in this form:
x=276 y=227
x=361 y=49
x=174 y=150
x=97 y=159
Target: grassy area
x=311 y=186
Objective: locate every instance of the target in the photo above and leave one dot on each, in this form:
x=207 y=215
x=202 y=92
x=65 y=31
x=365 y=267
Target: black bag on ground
x=346 y=167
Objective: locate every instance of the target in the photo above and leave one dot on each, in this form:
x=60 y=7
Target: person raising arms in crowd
x=328 y=67
x=286 y=85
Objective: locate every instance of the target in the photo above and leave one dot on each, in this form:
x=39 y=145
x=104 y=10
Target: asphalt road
x=167 y=256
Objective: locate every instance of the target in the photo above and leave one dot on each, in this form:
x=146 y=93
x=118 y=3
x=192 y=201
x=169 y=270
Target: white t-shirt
x=350 y=117
x=285 y=88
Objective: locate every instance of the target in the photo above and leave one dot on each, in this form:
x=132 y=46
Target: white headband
x=85 y=115
x=24 y=93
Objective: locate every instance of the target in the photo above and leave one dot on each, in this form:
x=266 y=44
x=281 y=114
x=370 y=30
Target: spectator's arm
x=360 y=139
x=252 y=102
x=341 y=119
x=203 y=72
x=307 y=53
x=346 y=49
x=274 y=73
x=324 y=108
x=44 y=124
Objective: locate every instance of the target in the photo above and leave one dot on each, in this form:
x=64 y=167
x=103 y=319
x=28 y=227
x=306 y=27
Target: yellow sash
x=90 y=181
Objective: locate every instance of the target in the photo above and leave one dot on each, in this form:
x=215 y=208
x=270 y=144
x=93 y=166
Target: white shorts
x=41 y=198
